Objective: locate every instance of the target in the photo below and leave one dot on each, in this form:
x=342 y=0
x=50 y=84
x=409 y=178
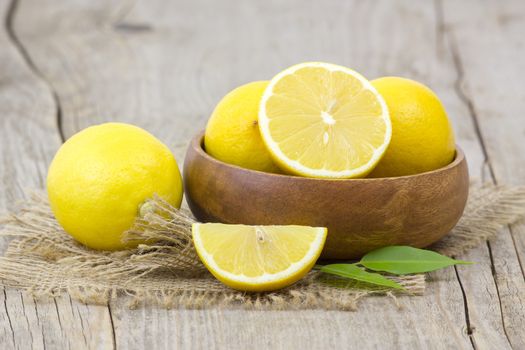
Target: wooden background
x=163 y=65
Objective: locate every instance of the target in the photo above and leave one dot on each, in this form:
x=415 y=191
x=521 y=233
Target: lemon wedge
x=258 y=258
x=324 y=120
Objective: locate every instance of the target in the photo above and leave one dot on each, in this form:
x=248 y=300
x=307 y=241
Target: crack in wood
x=28 y=60
x=494 y=276
x=81 y=320
x=458 y=86
x=133 y=27
x=114 y=338
x=9 y=319
x=27 y=320
x=441 y=42
x=473 y=114
x=467 y=100
x=123 y=323
x=34 y=323
x=39 y=324
x=58 y=315
x=522 y=268
x=470 y=329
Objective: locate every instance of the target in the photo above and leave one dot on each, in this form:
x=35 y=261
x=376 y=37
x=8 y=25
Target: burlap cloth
x=43 y=260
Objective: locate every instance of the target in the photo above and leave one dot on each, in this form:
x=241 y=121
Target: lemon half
x=324 y=120
x=258 y=258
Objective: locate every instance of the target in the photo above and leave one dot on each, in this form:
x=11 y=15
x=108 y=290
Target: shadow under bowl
x=361 y=214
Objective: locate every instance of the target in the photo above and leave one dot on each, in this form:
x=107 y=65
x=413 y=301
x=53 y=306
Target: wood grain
x=164 y=64
x=496 y=100
x=29 y=138
x=202 y=47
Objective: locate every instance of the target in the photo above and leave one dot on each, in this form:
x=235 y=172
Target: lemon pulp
x=258 y=258
x=323 y=120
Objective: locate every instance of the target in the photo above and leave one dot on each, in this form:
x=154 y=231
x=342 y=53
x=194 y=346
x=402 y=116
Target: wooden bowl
x=361 y=214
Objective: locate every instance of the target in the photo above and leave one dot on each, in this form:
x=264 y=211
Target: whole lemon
x=102 y=175
x=422 y=136
x=232 y=134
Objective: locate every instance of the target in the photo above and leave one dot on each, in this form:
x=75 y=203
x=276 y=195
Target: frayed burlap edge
x=44 y=261
x=489 y=208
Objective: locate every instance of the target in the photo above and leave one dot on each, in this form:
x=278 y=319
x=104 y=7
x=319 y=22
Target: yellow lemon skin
x=232 y=133
x=422 y=136
x=101 y=176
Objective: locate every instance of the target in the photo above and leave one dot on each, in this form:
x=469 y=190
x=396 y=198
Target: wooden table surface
x=163 y=65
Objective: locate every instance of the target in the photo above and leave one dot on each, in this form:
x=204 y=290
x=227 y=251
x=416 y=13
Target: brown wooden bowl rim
x=197 y=143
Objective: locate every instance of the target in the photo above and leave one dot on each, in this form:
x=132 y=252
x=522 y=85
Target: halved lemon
x=324 y=120
x=258 y=258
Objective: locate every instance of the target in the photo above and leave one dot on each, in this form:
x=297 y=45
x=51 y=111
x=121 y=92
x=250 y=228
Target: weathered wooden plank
x=164 y=67
x=379 y=324
x=490 y=50
x=165 y=64
x=29 y=138
x=431 y=62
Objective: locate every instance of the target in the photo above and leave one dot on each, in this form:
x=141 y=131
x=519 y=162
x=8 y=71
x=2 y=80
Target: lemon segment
x=258 y=258
x=323 y=120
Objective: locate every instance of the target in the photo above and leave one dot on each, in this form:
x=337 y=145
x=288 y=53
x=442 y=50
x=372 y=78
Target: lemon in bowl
x=232 y=133
x=422 y=136
x=100 y=178
x=331 y=127
x=324 y=120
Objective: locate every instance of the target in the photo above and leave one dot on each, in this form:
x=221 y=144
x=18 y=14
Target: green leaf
x=356 y=273
x=402 y=260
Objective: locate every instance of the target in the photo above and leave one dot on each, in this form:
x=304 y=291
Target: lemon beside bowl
x=101 y=176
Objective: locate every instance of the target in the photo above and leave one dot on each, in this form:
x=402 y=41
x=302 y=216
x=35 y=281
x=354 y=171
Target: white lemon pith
x=324 y=120
x=258 y=258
